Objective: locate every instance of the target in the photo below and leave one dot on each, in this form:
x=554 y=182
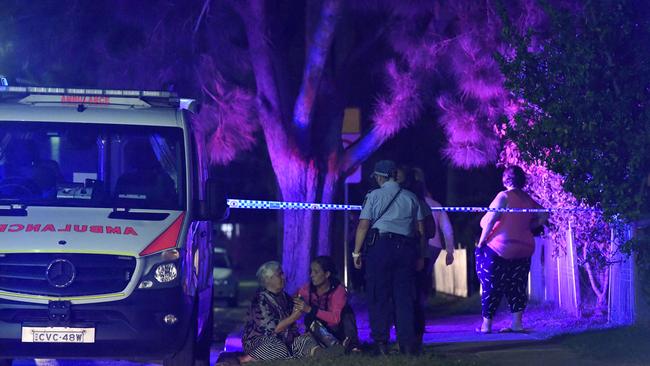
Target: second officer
x=391 y=225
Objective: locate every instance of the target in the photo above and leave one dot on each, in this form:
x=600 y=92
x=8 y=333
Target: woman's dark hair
x=411 y=182
x=514 y=176
x=327 y=264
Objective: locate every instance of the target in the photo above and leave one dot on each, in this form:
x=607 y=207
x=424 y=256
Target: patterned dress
x=260 y=340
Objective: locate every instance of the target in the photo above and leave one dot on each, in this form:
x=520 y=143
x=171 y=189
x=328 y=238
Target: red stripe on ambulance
x=44 y=228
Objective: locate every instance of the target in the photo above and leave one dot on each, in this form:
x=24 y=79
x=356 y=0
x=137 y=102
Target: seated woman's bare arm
x=288 y=321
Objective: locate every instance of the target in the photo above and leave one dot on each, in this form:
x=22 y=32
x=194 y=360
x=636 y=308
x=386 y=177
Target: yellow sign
x=350 y=134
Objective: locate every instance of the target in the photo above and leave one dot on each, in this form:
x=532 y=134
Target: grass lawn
x=622 y=346
x=618 y=346
x=563 y=340
x=397 y=360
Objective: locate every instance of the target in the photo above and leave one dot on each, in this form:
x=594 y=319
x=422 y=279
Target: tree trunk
x=326 y=216
x=598 y=281
x=296 y=250
x=298 y=181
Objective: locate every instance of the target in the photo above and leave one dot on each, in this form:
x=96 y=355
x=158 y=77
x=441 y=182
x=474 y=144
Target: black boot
x=381 y=349
x=411 y=349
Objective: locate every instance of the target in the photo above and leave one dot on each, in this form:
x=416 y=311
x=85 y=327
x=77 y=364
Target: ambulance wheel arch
x=204 y=342
x=203 y=270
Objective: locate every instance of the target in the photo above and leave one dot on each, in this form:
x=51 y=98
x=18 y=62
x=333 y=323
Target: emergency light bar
x=80 y=96
x=76 y=91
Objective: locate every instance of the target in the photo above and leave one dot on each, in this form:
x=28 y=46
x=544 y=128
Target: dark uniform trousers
x=390 y=276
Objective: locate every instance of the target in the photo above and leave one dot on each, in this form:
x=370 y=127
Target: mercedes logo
x=60 y=273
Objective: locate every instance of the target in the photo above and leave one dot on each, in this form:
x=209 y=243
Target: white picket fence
x=555 y=279
x=622 y=310
x=452 y=279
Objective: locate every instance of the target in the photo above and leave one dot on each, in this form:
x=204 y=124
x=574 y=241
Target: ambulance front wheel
x=185 y=355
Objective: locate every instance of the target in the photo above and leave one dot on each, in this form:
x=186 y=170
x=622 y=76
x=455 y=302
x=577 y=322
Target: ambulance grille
x=65 y=274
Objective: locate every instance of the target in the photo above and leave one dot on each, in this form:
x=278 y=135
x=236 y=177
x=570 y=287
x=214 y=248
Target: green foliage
x=583 y=89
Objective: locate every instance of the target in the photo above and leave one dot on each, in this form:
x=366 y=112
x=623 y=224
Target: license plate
x=58 y=335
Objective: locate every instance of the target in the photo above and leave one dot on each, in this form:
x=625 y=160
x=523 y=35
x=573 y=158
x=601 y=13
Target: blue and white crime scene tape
x=280 y=205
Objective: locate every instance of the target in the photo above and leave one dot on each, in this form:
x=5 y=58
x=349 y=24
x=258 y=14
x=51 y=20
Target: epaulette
x=365 y=198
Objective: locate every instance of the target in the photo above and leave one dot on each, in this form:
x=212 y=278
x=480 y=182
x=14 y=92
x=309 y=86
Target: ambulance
x=106 y=214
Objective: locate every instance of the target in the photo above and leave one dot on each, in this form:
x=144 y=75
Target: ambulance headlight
x=166 y=272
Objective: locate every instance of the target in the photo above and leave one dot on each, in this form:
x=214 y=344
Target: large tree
x=299 y=64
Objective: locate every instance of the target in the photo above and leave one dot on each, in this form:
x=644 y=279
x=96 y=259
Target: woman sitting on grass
x=325 y=299
x=270 y=332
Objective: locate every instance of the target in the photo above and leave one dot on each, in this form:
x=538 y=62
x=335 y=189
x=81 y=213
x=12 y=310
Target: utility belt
x=395 y=236
x=374 y=235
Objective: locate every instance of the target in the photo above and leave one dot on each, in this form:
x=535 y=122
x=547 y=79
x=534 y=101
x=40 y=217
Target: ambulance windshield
x=92 y=165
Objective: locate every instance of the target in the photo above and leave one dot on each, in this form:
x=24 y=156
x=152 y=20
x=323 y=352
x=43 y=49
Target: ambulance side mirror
x=214 y=207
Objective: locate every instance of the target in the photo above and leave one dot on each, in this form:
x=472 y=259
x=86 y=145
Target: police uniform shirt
x=401 y=216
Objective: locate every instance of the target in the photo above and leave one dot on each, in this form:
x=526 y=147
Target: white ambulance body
x=105 y=227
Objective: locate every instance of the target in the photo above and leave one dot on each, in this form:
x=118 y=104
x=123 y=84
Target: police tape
x=281 y=205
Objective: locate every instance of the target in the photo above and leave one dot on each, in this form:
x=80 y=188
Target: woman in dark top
x=270 y=332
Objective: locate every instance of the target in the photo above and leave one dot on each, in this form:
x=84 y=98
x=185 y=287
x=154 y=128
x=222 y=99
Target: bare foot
x=486 y=326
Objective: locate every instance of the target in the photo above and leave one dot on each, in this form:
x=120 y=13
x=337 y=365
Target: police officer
x=392 y=260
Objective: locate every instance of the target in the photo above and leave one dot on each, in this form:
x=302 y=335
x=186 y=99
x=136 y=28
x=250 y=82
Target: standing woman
x=504 y=250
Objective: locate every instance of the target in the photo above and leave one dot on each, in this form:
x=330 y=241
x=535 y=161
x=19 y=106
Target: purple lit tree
x=430 y=48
